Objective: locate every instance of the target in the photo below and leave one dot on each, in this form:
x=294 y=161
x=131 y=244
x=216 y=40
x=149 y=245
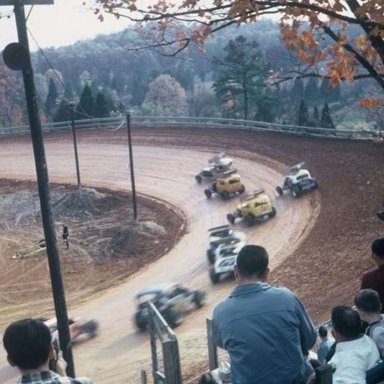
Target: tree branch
x=365 y=63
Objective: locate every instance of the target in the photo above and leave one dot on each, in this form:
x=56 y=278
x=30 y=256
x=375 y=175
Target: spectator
x=325 y=344
x=266 y=330
x=355 y=352
x=374 y=278
x=65 y=236
x=368 y=305
x=29 y=348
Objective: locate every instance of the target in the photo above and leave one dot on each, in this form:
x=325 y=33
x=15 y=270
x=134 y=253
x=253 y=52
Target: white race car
x=218 y=165
x=298 y=180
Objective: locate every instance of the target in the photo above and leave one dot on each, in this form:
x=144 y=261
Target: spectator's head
x=367 y=303
x=252 y=263
x=377 y=248
x=323 y=332
x=28 y=344
x=346 y=323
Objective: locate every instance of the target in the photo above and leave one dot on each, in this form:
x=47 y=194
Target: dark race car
x=173 y=301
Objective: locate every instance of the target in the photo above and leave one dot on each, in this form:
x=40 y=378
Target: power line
x=29 y=13
x=58 y=77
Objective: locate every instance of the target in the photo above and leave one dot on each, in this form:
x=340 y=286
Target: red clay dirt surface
x=319 y=244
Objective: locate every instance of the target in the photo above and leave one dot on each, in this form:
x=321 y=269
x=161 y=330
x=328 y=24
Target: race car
x=78 y=328
x=224 y=247
x=226 y=186
x=172 y=300
x=298 y=180
x=224 y=262
x=223 y=234
x=217 y=166
x=256 y=207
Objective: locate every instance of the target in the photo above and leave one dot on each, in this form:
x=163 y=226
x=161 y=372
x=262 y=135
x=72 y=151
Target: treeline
x=235 y=77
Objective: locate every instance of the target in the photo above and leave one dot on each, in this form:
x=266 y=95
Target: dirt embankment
x=106 y=244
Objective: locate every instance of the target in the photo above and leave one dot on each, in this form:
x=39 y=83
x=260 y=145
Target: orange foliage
x=372 y=103
x=302 y=25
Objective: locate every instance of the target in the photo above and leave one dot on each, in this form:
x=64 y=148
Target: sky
x=63 y=23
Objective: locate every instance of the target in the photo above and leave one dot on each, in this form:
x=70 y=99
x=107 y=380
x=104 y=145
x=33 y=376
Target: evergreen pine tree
x=50 y=102
x=326 y=119
x=316 y=115
x=302 y=118
x=86 y=105
x=64 y=112
x=101 y=106
x=68 y=91
x=241 y=76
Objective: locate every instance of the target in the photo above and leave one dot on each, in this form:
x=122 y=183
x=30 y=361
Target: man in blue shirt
x=266 y=330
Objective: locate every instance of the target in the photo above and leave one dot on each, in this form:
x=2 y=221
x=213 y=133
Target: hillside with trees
x=234 y=77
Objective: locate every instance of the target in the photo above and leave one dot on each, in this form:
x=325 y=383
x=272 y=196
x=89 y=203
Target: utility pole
x=131 y=166
x=17 y=57
x=72 y=105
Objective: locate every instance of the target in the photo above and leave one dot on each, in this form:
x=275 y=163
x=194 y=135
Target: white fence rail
x=196 y=122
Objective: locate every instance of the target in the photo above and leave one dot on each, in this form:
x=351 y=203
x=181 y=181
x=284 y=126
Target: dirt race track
x=319 y=244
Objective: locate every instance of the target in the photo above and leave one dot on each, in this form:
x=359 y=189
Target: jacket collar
x=244 y=289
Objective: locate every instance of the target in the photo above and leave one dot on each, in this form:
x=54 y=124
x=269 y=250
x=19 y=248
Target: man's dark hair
x=28 y=343
x=323 y=332
x=377 y=247
x=368 y=300
x=346 y=321
x=252 y=260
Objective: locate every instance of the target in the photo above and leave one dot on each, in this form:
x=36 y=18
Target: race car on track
x=226 y=186
x=224 y=246
x=79 y=328
x=256 y=207
x=224 y=261
x=172 y=300
x=217 y=166
x=220 y=235
x=297 y=180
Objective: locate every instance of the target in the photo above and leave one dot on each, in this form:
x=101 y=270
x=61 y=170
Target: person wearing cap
x=374 y=278
x=265 y=330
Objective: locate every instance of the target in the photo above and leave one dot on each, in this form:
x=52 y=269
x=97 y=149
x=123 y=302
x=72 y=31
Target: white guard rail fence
x=197 y=122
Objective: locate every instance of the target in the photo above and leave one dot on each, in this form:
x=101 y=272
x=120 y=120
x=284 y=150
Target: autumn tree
x=241 y=72
x=375 y=110
x=165 y=97
x=11 y=101
x=317 y=30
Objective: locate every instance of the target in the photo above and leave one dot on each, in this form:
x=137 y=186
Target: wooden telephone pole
x=17 y=57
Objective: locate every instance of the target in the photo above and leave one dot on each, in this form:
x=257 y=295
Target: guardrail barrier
x=198 y=123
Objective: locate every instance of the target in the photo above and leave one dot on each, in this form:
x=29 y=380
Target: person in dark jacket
x=266 y=330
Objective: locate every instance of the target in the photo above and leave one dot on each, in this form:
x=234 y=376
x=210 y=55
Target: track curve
x=119 y=352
